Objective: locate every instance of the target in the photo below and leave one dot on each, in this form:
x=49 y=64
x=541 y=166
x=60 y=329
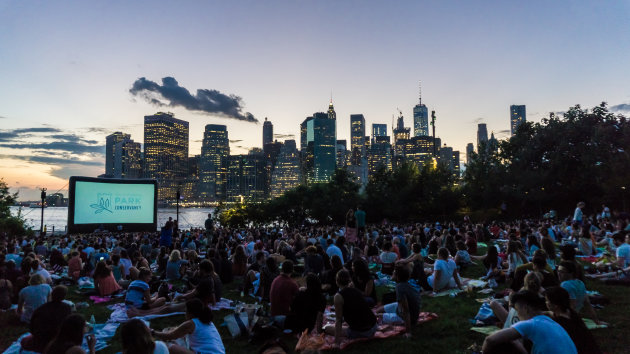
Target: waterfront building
x=110 y=150
x=213 y=163
x=246 y=177
x=482 y=134
x=318 y=140
x=127 y=161
x=357 y=139
x=165 y=152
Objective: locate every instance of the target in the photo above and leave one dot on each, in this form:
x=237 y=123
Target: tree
x=12 y=225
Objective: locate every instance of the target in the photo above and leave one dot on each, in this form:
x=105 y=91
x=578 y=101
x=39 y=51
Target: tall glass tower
x=165 y=152
x=420 y=118
x=267 y=132
x=213 y=164
x=318 y=140
x=517 y=116
x=357 y=142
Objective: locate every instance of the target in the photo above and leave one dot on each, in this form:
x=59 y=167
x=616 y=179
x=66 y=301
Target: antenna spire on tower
x=420 y=91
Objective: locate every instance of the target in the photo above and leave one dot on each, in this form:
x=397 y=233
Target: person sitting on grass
x=104 y=282
x=307 y=309
x=538 y=264
x=136 y=339
x=507 y=315
x=364 y=281
x=546 y=335
x=209 y=289
x=70 y=337
x=462 y=257
x=407 y=306
x=32 y=297
x=444 y=273
x=415 y=263
x=201 y=333
x=45 y=320
x=139 y=300
x=576 y=290
x=350 y=306
x=282 y=292
x=559 y=304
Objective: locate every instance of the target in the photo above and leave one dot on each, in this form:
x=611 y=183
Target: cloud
x=206 y=100
x=73 y=138
x=502 y=133
x=236 y=141
x=478 y=120
x=52 y=160
x=623 y=107
x=3 y=117
x=37 y=130
x=283 y=136
x=67 y=146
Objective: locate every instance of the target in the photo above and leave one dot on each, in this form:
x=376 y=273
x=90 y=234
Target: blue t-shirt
x=546 y=335
x=577 y=292
x=33 y=297
x=135 y=293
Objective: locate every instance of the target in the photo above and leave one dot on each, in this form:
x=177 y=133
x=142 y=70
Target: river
x=58 y=217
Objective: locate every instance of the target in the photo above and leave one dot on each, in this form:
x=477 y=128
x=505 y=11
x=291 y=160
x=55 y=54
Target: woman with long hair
x=136 y=339
x=308 y=307
x=104 y=281
x=70 y=337
x=239 y=261
x=203 y=336
x=364 y=281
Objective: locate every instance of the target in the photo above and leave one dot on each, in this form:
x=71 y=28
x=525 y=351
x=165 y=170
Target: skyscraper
x=378 y=130
x=267 y=132
x=286 y=174
x=246 y=177
x=165 y=152
x=420 y=118
x=127 y=162
x=482 y=134
x=469 y=152
x=343 y=158
x=110 y=150
x=517 y=116
x=380 y=155
x=319 y=138
x=357 y=139
x=213 y=164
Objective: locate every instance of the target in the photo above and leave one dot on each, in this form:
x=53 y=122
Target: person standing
x=578 y=215
x=359 y=215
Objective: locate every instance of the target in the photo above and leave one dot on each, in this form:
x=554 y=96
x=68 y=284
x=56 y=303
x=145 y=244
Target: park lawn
x=450 y=333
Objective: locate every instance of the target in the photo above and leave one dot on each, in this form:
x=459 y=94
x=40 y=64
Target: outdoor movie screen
x=112 y=204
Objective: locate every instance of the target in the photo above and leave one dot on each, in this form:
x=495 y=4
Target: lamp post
x=179 y=193
x=41 y=226
x=433 y=125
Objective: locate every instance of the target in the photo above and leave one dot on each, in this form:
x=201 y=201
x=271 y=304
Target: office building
x=469 y=153
x=357 y=139
x=110 y=150
x=213 y=163
x=271 y=152
x=420 y=118
x=165 y=152
x=318 y=138
x=286 y=174
x=400 y=132
x=246 y=177
x=482 y=135
x=517 y=116
x=380 y=155
x=343 y=157
x=267 y=132
x=127 y=163
x=378 y=130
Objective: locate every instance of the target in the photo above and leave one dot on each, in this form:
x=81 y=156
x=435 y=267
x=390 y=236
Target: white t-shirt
x=546 y=335
x=624 y=251
x=205 y=338
x=446 y=278
x=334 y=250
x=160 y=347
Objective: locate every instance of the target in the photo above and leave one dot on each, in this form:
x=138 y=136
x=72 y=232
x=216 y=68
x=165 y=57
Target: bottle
x=92 y=324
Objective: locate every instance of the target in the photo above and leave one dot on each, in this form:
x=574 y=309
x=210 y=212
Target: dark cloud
x=52 y=160
x=236 y=141
x=623 y=107
x=478 y=120
x=283 y=136
x=37 y=130
x=73 y=138
x=207 y=101
x=3 y=117
x=64 y=146
x=99 y=130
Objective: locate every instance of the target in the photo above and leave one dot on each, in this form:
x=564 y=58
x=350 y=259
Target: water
x=58 y=217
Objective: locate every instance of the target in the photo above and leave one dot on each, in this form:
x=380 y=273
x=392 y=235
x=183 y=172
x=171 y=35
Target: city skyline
x=101 y=66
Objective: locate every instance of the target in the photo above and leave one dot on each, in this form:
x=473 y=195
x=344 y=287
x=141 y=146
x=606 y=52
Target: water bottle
x=92 y=324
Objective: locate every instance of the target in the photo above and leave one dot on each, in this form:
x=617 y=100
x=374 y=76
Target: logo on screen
x=104 y=203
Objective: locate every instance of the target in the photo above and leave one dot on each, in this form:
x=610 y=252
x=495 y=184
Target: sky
x=73 y=72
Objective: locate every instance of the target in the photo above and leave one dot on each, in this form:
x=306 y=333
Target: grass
x=450 y=333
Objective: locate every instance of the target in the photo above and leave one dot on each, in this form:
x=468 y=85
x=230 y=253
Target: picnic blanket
x=119 y=311
x=325 y=342
x=488 y=330
x=100 y=299
x=102 y=332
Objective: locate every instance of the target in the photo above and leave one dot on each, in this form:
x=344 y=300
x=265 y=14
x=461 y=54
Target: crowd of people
x=185 y=271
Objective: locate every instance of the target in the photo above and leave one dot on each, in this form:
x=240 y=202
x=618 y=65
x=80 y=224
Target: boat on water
x=37 y=205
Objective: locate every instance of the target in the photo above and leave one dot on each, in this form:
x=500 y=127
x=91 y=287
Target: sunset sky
x=67 y=70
